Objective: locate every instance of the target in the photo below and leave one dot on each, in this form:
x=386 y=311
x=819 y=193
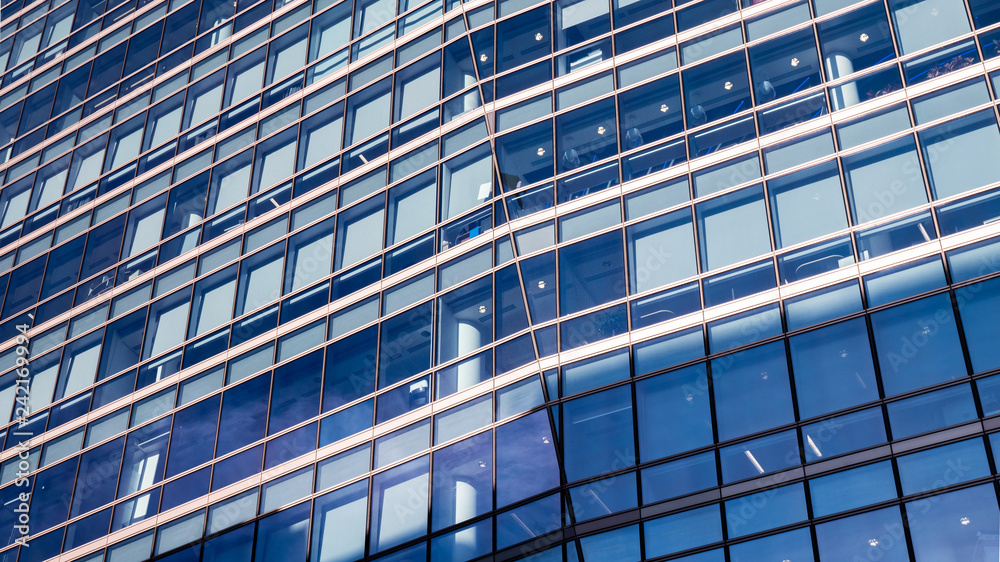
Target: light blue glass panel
x=604 y=497
x=957 y=526
x=751 y=391
x=674 y=412
x=620 y=545
x=843 y=434
x=875 y=535
x=794 y=545
x=934 y=410
x=825 y=304
x=833 y=368
x=943 y=466
x=676 y=478
x=852 y=488
x=917 y=344
x=681 y=531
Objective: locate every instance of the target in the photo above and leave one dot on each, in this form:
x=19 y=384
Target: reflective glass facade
x=692 y=280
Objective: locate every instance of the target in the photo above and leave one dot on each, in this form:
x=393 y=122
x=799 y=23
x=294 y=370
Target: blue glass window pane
x=525 y=458
x=760 y=456
x=667 y=351
x=339 y=523
x=463 y=544
x=186 y=488
x=604 y=497
x=716 y=89
x=591 y=273
x=592 y=373
x=405 y=347
x=528 y=521
x=234 y=546
x=350 y=369
x=751 y=391
x=918 y=344
x=398 y=504
x=244 y=414
x=676 y=478
x=979 y=306
x=295 y=392
x=833 y=368
x=50 y=499
x=960 y=525
x=733 y=228
x=927 y=412
x=877 y=534
x=193 y=435
x=598 y=433
x=903 y=281
x=674 y=412
x=621 y=545
x=852 y=488
x=844 y=434
x=284 y=535
x=793 y=545
x=682 y=531
x=463 y=481
x=744 y=328
x=943 y=466
x=974 y=260
x=781 y=506
x=822 y=305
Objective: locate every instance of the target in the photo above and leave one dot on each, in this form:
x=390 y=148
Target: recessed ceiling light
x=795 y=61
x=664 y=108
x=482 y=309
x=541 y=284
x=538 y=37
x=540 y=152
x=601 y=130
x=483 y=57
x=864 y=37
x=964 y=521
x=873 y=542
x=728 y=85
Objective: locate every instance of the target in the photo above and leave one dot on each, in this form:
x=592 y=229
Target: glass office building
x=424 y=280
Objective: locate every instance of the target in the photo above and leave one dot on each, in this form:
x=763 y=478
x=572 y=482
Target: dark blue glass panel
x=350 y=369
x=463 y=481
x=869 y=535
x=674 y=412
x=50 y=496
x=751 y=391
x=234 y=546
x=917 y=344
x=290 y=445
x=852 y=488
x=843 y=434
x=760 y=456
x=603 y=497
x=186 y=488
x=514 y=353
x=959 y=524
x=525 y=459
x=87 y=529
x=528 y=521
x=833 y=368
x=943 y=466
x=346 y=422
x=193 y=435
x=295 y=393
x=244 y=414
x=97 y=477
x=598 y=433
x=237 y=467
x=680 y=477
x=681 y=531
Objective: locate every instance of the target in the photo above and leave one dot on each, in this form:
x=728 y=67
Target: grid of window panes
x=601 y=280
